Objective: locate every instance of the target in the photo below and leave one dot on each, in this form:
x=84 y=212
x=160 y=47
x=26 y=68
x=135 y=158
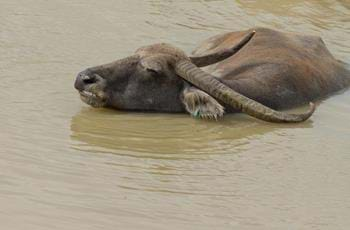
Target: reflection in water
x=130 y=133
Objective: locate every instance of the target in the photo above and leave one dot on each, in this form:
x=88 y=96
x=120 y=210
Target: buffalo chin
x=92 y=99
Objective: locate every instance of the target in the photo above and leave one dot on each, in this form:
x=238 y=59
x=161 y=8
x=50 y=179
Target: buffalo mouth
x=91 y=88
x=93 y=99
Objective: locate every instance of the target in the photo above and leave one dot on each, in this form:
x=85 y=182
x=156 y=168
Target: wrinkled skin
x=278 y=70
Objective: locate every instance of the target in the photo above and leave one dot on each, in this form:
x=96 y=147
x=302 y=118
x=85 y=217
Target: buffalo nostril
x=88 y=79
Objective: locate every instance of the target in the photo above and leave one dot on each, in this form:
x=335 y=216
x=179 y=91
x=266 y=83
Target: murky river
x=64 y=165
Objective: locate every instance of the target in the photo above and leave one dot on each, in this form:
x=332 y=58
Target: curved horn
x=211 y=85
x=222 y=54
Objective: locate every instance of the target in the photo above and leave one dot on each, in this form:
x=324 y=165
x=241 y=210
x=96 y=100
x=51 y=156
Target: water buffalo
x=257 y=72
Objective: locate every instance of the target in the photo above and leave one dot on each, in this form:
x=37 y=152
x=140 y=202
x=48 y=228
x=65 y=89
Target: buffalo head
x=145 y=81
x=161 y=77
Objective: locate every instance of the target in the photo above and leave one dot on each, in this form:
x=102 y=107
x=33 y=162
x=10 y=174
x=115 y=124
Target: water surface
x=65 y=165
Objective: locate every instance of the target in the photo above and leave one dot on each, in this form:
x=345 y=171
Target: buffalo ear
x=151 y=65
x=200 y=104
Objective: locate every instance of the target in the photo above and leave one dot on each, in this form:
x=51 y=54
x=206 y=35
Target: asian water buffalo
x=257 y=72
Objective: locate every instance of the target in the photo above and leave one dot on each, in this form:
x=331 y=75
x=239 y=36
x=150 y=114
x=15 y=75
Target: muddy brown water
x=64 y=165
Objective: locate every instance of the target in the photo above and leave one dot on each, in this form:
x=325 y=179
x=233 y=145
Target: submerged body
x=255 y=71
x=279 y=70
